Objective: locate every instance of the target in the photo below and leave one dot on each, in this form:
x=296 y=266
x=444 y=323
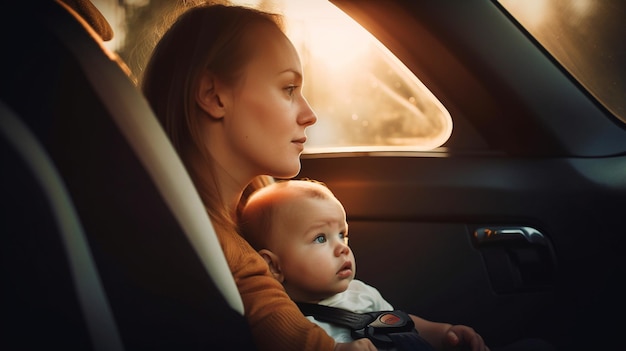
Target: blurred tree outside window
x=586 y=37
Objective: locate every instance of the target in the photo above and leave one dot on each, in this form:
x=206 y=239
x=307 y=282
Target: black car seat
x=105 y=243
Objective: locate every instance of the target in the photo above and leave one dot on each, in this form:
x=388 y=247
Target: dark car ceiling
x=486 y=70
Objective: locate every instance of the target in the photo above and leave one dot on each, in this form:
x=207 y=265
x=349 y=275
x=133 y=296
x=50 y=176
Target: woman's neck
x=231 y=186
x=216 y=182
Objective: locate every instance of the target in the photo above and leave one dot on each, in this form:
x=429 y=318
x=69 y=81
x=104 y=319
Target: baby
x=299 y=227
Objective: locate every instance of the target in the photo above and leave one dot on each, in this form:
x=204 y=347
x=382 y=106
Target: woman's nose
x=307 y=116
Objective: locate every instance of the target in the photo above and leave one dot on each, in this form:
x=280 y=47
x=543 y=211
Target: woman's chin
x=288 y=172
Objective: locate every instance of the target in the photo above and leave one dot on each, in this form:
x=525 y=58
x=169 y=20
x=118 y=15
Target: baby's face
x=315 y=257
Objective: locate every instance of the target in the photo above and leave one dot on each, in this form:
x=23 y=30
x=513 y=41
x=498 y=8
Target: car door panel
x=414 y=223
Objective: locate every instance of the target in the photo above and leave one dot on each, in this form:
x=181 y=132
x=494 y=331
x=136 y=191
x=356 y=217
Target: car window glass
x=364 y=97
x=586 y=37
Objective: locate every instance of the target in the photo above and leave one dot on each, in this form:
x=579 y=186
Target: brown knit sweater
x=275 y=320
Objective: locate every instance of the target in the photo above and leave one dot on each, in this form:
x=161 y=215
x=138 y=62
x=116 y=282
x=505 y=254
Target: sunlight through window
x=586 y=37
x=365 y=98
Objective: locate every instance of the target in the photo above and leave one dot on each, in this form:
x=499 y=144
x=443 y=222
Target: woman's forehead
x=272 y=50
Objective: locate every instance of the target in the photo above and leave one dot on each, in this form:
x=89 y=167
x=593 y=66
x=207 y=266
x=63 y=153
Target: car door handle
x=517 y=258
x=531 y=235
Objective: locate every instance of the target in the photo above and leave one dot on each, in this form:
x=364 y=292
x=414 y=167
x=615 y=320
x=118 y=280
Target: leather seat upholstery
x=107 y=152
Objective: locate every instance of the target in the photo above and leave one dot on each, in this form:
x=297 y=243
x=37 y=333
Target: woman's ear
x=207 y=95
x=274 y=263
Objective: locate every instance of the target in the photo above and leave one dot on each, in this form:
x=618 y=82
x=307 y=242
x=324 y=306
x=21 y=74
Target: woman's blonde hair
x=204 y=38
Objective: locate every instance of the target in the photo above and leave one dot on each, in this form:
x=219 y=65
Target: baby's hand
x=357 y=345
x=462 y=337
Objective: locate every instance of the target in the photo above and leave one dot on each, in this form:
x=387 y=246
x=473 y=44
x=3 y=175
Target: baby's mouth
x=345 y=270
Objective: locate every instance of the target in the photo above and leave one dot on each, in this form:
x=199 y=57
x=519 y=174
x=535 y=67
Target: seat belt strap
x=336 y=315
x=386 y=329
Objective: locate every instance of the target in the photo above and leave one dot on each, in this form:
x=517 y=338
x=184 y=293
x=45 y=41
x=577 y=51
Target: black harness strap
x=389 y=330
x=336 y=315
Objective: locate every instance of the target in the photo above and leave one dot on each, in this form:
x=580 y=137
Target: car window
x=364 y=97
x=586 y=37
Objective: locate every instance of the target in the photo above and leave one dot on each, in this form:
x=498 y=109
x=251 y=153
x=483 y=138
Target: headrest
x=92 y=16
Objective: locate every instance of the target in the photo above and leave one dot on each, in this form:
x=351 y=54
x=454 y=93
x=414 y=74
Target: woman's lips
x=299 y=143
x=299 y=140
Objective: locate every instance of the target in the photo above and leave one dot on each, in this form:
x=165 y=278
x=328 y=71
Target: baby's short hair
x=256 y=216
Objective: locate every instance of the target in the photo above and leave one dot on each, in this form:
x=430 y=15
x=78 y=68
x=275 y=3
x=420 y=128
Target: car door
x=513 y=226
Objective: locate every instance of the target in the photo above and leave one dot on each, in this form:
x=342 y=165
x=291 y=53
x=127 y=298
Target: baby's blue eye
x=320 y=239
x=344 y=237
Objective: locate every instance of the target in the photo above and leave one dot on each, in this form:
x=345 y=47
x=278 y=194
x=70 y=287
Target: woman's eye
x=320 y=239
x=290 y=89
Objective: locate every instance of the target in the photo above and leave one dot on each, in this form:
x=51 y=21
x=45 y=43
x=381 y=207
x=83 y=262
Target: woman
x=226 y=84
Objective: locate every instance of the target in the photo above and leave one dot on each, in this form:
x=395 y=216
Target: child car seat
x=105 y=242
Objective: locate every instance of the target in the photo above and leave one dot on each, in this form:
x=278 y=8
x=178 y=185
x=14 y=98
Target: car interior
x=513 y=226
x=81 y=268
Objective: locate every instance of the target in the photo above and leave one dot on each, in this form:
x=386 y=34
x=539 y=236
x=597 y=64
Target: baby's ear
x=207 y=95
x=274 y=263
